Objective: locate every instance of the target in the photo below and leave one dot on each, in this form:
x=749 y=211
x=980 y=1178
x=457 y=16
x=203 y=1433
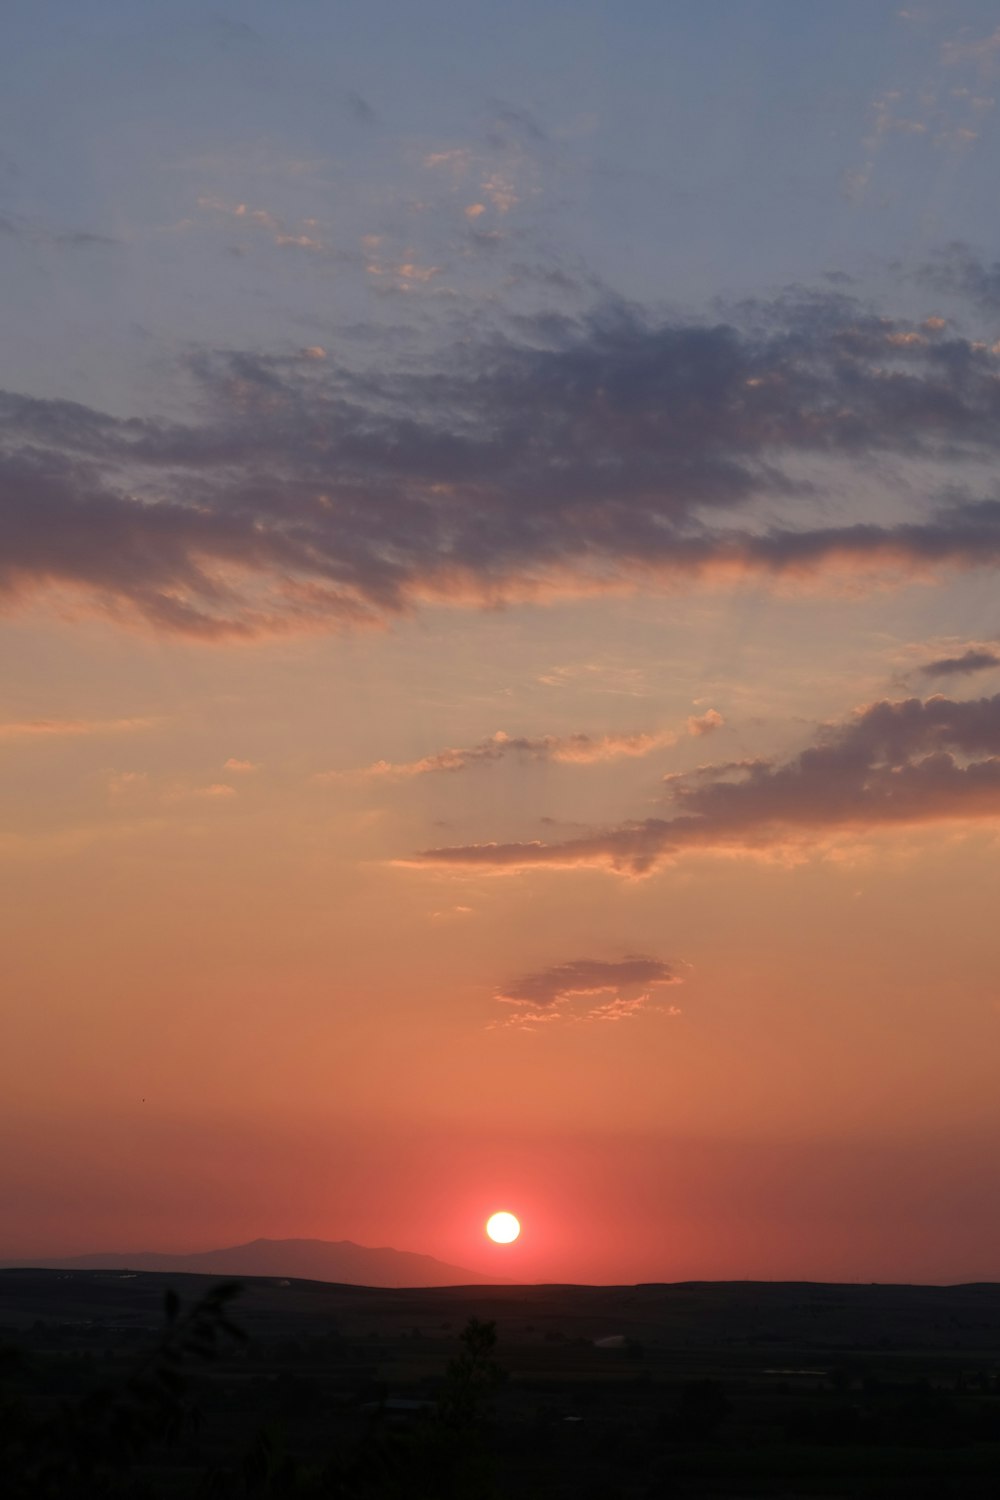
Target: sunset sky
x=499 y=531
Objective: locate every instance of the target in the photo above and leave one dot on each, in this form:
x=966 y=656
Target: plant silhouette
x=88 y=1450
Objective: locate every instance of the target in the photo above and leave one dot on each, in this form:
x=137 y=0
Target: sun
x=503 y=1228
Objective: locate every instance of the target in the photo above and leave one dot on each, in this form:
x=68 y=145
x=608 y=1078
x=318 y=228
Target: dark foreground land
x=706 y=1389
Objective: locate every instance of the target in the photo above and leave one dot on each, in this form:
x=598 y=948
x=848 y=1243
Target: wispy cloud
x=29 y=729
x=983 y=51
x=130 y=787
x=454 y=159
x=34 y=232
x=569 y=749
x=976 y=659
x=402 y=275
x=512 y=120
x=361 y=109
x=891 y=764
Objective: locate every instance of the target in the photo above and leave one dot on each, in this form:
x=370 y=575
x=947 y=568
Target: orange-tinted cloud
x=570 y=749
x=56 y=728
x=890 y=764
x=552 y=992
x=706 y=723
x=598 y=457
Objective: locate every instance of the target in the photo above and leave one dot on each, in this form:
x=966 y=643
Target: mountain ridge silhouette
x=306 y=1259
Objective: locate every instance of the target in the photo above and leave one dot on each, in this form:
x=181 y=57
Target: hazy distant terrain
x=311 y=1260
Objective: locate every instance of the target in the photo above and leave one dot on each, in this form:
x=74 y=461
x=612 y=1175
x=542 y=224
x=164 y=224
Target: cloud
x=890 y=764
x=36 y=233
x=615 y=677
x=957 y=270
x=127 y=784
x=140 y=786
x=570 y=749
x=402 y=276
x=519 y=121
x=241 y=767
x=582 y=456
x=706 y=723
x=982 y=52
x=567 y=749
x=226 y=33
x=976 y=659
x=361 y=109
x=886 y=119
x=625 y=1010
x=27 y=729
x=547 y=993
x=499 y=188
x=294 y=237
x=457 y=159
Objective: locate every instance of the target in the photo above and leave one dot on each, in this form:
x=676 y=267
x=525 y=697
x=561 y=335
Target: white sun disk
x=502 y=1228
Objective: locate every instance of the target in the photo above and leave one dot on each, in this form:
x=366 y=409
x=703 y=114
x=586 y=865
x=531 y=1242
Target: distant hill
x=312 y=1260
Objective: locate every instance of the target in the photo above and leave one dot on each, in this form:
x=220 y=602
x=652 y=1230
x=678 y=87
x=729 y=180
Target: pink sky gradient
x=501 y=660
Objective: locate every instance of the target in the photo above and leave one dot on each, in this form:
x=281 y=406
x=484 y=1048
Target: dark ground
x=728 y=1390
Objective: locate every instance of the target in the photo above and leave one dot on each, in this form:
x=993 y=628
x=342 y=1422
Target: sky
x=499 y=532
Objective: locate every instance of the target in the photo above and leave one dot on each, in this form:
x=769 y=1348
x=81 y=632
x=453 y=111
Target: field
x=599 y=1393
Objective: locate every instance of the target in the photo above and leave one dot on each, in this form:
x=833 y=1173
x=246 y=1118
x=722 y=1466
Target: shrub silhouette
x=97 y=1445
x=88 y=1449
x=472 y=1377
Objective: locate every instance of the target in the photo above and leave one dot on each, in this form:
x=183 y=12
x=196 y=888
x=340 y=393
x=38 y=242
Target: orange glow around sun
x=502 y=1228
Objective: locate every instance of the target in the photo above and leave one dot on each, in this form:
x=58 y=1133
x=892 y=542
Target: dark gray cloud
x=626 y=984
x=79 y=239
x=361 y=109
x=40 y=234
x=226 y=32
x=958 y=271
x=978 y=659
x=510 y=121
x=583 y=455
x=897 y=763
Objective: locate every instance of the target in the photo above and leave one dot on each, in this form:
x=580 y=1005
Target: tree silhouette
x=87 y=1451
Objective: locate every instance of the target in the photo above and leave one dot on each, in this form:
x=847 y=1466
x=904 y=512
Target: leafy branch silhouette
x=88 y=1449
